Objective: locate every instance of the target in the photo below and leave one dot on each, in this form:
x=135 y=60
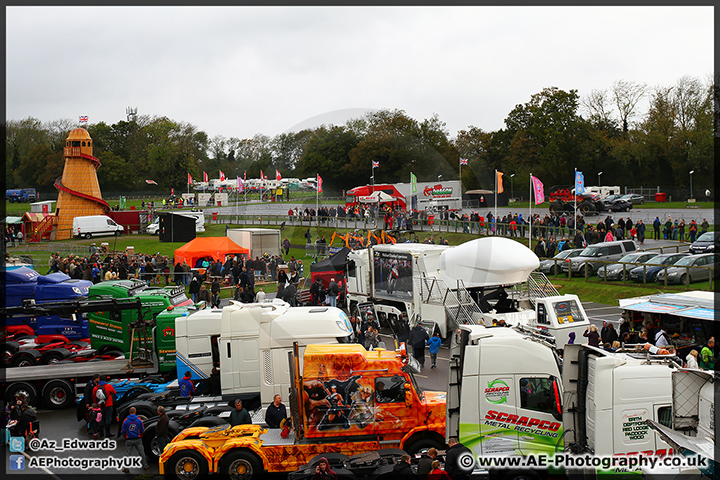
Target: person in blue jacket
x=434 y=343
x=187 y=389
x=132 y=430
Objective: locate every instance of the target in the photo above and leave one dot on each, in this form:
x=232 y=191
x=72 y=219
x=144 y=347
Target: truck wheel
x=88 y=236
x=134 y=392
x=58 y=394
x=117 y=233
x=25 y=358
x=186 y=465
x=24 y=388
x=152 y=450
x=7 y=350
x=240 y=465
x=423 y=445
x=53 y=356
x=208 y=422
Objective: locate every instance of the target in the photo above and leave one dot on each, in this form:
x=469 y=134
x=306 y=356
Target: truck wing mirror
x=557 y=404
x=408 y=396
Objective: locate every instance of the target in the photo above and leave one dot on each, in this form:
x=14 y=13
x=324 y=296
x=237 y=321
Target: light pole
x=691 y=173
x=599 y=173
x=512 y=190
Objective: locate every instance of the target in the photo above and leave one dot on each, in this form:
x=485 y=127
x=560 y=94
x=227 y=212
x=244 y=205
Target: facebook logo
x=17 y=462
x=17 y=444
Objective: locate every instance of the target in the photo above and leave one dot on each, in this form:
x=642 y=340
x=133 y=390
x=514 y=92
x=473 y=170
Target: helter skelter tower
x=78 y=188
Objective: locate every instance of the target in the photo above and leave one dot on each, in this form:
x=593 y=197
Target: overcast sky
x=240 y=71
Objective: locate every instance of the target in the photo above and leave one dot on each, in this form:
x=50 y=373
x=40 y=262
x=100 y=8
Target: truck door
x=538 y=425
x=632 y=434
x=390 y=408
x=498 y=414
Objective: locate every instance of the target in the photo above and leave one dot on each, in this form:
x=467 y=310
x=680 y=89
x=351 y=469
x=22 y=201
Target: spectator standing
x=640 y=228
x=103 y=395
x=692 y=230
x=239 y=416
x=403 y=468
x=95 y=420
x=691 y=361
x=215 y=299
x=194 y=289
x=437 y=473
x=204 y=295
x=418 y=338
x=452 y=456
x=276 y=412
x=260 y=296
x=187 y=389
x=656 y=228
x=132 y=429
x=323 y=471
x=592 y=335
x=425 y=463
x=332 y=292
x=704 y=226
x=434 y=343
x=707 y=355
x=161 y=428
x=371 y=338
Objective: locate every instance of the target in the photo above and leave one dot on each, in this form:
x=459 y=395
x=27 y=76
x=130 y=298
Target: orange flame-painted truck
x=348 y=400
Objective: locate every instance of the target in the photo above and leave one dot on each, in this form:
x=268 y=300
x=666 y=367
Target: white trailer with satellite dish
x=479 y=282
x=258 y=240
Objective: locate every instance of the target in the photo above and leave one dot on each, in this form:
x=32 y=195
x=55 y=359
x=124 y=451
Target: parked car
x=620 y=205
x=679 y=272
x=611 y=198
x=634 y=198
x=653 y=266
x=603 y=251
x=550 y=267
x=706 y=243
x=619 y=271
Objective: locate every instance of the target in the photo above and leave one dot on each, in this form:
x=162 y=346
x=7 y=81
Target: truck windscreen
x=567 y=311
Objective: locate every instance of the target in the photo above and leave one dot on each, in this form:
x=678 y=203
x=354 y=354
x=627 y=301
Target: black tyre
x=186 y=465
x=7 y=350
x=423 y=445
x=24 y=388
x=208 y=422
x=149 y=439
x=683 y=279
x=117 y=233
x=88 y=236
x=25 y=358
x=58 y=395
x=133 y=392
x=53 y=356
x=240 y=465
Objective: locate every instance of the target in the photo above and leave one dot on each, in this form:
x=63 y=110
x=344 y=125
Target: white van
x=199 y=217
x=95 y=226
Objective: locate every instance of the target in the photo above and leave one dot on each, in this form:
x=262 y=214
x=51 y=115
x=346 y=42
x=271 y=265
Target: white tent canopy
x=377 y=197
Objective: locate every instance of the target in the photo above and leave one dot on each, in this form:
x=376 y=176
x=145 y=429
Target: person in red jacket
x=104 y=399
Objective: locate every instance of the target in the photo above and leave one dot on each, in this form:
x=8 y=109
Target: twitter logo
x=17 y=444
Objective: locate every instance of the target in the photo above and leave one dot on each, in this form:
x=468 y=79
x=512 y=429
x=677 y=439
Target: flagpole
x=496 y=189
x=575 y=198
x=317 y=202
x=460 y=178
x=530 y=220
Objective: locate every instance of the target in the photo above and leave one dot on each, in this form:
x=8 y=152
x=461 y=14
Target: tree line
x=634 y=134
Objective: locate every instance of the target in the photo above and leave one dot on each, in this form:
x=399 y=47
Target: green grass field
x=593 y=290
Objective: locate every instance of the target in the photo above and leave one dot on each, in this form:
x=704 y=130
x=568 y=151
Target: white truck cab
x=249 y=343
x=510 y=394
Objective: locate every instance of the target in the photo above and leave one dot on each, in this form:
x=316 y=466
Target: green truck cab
x=111 y=331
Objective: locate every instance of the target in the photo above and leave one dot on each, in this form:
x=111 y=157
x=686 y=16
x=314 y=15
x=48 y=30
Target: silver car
x=550 y=267
x=679 y=272
x=614 y=271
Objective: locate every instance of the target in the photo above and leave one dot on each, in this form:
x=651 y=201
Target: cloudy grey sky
x=240 y=71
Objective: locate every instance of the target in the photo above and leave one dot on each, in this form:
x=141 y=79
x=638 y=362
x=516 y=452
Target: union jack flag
x=375 y=164
x=83 y=119
x=463 y=161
